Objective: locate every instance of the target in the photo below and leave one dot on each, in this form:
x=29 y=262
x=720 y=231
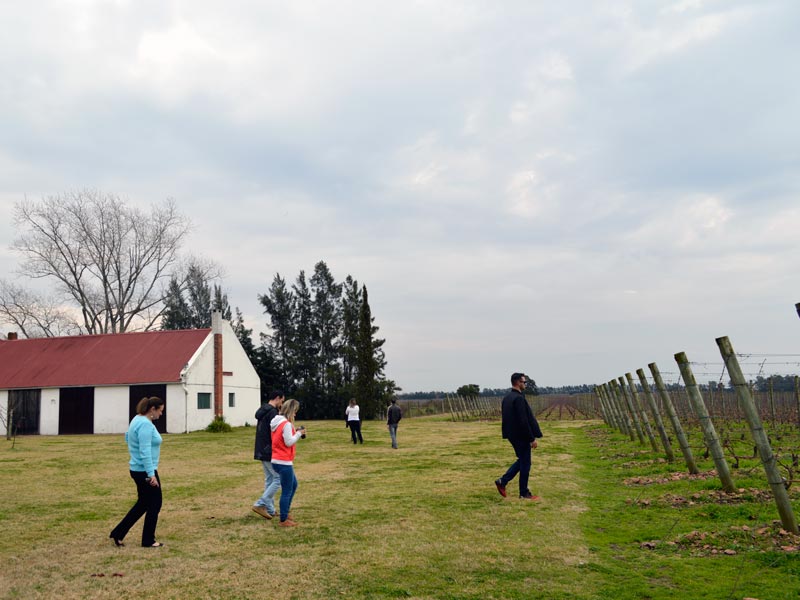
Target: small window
x=231 y=399
x=203 y=400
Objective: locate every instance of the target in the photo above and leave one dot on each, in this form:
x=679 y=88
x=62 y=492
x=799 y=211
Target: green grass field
x=424 y=521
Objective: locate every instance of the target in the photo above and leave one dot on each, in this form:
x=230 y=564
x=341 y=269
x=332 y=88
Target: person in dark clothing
x=521 y=429
x=265 y=506
x=395 y=413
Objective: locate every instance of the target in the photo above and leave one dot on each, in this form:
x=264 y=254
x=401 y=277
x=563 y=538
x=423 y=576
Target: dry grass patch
x=424 y=521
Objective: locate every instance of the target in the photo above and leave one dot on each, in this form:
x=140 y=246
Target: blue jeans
x=393 y=433
x=288 y=487
x=272 y=483
x=522 y=466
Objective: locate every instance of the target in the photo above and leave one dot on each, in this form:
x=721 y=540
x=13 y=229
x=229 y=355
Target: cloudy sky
x=572 y=189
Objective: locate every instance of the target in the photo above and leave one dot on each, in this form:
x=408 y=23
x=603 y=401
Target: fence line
x=622 y=409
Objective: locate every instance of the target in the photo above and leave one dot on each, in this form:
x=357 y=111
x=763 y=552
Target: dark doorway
x=27 y=406
x=76 y=410
x=137 y=392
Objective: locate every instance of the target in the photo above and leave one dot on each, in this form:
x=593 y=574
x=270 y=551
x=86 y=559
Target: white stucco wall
x=243 y=382
x=111 y=402
x=48 y=417
x=111 y=409
x=176 y=408
x=48 y=412
x=3 y=410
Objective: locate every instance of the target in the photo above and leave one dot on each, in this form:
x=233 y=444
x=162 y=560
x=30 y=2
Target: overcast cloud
x=572 y=189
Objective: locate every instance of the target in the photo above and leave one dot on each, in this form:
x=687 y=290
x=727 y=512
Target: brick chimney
x=216 y=329
x=12 y=335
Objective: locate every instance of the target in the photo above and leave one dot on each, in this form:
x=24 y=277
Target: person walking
x=284 y=440
x=521 y=429
x=353 y=421
x=265 y=505
x=395 y=413
x=144 y=447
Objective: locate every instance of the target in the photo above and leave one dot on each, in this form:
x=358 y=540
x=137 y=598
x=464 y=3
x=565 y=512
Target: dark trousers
x=148 y=503
x=522 y=466
x=355 y=430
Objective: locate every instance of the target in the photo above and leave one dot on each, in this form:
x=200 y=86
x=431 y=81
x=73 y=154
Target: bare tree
x=34 y=315
x=111 y=261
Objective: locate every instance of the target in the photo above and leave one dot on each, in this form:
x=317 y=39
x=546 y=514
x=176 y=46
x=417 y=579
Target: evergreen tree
x=244 y=334
x=279 y=303
x=199 y=298
x=366 y=364
x=304 y=347
x=176 y=311
x=220 y=303
x=323 y=347
x=327 y=326
x=351 y=307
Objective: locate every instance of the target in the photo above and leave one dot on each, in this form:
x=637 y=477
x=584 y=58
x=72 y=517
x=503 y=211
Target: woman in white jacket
x=353 y=421
x=284 y=439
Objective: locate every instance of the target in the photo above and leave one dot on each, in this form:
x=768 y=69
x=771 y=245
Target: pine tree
x=279 y=303
x=351 y=307
x=220 y=303
x=304 y=347
x=244 y=334
x=366 y=363
x=327 y=326
x=176 y=312
x=199 y=298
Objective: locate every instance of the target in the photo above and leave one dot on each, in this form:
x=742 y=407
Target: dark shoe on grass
x=500 y=487
x=530 y=497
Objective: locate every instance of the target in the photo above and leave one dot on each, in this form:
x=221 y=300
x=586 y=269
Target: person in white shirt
x=353 y=421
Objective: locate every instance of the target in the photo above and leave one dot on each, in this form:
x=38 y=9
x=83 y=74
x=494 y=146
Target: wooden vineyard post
x=613 y=420
x=463 y=407
x=709 y=433
x=768 y=459
x=688 y=457
x=651 y=402
x=603 y=411
x=797 y=396
x=624 y=407
x=642 y=416
x=623 y=391
x=615 y=409
x=771 y=397
x=613 y=390
x=453 y=409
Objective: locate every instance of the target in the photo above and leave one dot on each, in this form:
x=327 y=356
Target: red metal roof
x=92 y=360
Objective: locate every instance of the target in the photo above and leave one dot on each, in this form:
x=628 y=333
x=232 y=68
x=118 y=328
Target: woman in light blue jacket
x=144 y=445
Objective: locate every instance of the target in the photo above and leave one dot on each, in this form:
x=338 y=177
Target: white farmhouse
x=92 y=383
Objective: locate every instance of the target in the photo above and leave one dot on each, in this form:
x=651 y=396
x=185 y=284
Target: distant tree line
x=472 y=389
x=780 y=383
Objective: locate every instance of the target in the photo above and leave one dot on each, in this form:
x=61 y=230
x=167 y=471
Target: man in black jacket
x=265 y=506
x=521 y=429
x=394 y=414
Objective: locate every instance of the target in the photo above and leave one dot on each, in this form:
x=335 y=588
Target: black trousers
x=148 y=503
x=355 y=430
